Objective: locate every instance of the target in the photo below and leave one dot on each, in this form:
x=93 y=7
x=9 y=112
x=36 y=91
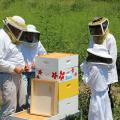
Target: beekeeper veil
x=14 y=26
x=98 y=28
x=30 y=37
x=97 y=56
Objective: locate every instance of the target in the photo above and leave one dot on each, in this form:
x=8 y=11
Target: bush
x=118 y=65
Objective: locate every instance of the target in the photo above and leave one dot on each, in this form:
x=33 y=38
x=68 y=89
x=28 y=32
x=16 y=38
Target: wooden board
x=24 y=115
x=44 y=97
x=28 y=116
x=57 y=55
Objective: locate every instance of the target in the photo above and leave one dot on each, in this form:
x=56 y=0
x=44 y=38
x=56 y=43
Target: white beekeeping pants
x=9 y=85
x=23 y=91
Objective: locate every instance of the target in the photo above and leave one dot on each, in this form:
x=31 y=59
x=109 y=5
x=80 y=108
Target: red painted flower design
x=72 y=70
x=54 y=75
x=75 y=74
x=37 y=76
x=40 y=72
x=61 y=76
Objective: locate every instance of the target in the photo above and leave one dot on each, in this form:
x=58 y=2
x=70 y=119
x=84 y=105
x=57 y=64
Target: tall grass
x=64 y=23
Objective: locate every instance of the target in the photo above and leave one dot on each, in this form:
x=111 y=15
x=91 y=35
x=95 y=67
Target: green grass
x=64 y=23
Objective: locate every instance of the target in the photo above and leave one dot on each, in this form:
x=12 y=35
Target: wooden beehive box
x=44 y=97
x=57 y=66
x=68 y=89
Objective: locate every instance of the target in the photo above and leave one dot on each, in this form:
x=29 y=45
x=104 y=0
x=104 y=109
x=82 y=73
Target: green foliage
x=84 y=103
x=4 y=4
x=118 y=65
x=63 y=24
x=74 y=117
x=107 y=0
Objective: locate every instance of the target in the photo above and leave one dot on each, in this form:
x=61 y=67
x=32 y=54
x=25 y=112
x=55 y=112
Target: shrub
x=118 y=65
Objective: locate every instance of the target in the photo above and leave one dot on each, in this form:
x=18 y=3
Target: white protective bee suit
x=9 y=58
x=29 y=51
x=110 y=44
x=95 y=76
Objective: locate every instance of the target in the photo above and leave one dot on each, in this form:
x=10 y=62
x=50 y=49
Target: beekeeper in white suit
x=99 y=34
x=11 y=64
x=95 y=75
x=30 y=48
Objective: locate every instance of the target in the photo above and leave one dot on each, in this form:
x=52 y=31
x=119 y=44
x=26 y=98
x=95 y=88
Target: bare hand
x=27 y=68
x=33 y=65
x=18 y=69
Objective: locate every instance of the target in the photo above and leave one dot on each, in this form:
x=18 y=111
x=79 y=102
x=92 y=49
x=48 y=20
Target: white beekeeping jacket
x=10 y=56
x=30 y=53
x=95 y=77
x=110 y=44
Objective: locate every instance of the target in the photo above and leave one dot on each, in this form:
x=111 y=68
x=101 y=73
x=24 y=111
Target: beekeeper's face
x=98 y=28
x=30 y=37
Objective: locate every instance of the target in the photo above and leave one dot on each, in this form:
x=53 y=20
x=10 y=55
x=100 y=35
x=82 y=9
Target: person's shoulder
x=4 y=36
x=2 y=32
x=39 y=44
x=110 y=35
x=110 y=39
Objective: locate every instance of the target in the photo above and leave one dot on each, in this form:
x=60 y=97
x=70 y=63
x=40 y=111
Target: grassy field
x=64 y=23
x=64 y=26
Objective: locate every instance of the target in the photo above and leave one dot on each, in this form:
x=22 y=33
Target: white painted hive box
x=68 y=106
x=57 y=66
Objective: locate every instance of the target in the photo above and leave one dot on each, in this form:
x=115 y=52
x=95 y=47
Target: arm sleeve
x=41 y=49
x=5 y=66
x=87 y=72
x=112 y=48
x=93 y=76
x=97 y=80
